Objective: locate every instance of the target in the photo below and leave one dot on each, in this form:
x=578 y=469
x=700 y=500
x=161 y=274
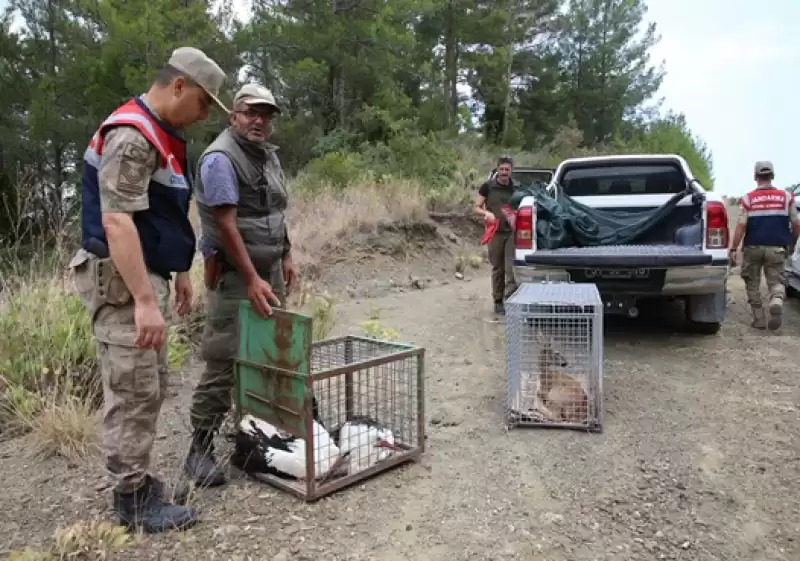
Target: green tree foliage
x=671 y=135
x=605 y=65
x=401 y=87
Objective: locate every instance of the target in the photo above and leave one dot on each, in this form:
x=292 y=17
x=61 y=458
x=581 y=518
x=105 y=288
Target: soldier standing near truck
x=768 y=225
x=241 y=201
x=492 y=197
x=136 y=234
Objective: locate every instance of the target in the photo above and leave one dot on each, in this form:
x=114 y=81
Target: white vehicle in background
x=685 y=256
x=793 y=262
x=793 y=273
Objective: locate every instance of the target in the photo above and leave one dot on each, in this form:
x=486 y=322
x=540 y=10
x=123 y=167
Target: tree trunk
x=451 y=65
x=54 y=207
x=335 y=117
x=507 y=104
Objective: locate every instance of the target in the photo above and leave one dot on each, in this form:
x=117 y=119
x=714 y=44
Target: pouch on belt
x=98 y=282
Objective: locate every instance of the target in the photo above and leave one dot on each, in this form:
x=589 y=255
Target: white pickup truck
x=684 y=256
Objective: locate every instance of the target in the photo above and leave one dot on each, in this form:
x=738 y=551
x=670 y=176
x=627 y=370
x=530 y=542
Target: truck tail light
x=523 y=231
x=717 y=233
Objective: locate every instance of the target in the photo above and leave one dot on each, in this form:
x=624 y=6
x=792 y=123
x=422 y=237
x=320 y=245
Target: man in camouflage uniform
x=136 y=233
x=492 y=196
x=769 y=225
x=241 y=201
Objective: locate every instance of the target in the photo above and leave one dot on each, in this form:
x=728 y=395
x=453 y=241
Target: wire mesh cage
x=554 y=362
x=314 y=418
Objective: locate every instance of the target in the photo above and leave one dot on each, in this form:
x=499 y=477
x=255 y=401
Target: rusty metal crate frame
x=311 y=490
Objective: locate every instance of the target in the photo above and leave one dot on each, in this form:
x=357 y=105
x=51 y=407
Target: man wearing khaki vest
x=492 y=196
x=241 y=201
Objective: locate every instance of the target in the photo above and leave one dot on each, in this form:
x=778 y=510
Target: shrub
x=373 y=329
x=45 y=329
x=335 y=168
x=420 y=157
x=49 y=382
x=323 y=316
x=60 y=422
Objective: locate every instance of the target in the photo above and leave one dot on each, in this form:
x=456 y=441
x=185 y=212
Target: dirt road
x=700 y=458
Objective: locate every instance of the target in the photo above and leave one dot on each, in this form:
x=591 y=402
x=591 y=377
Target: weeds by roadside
x=372 y=327
x=92 y=540
x=62 y=420
x=49 y=383
x=474 y=260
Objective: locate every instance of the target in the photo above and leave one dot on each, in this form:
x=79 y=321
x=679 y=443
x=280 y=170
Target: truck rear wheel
x=705 y=306
x=703 y=328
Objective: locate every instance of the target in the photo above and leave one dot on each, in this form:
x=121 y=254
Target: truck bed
x=620 y=256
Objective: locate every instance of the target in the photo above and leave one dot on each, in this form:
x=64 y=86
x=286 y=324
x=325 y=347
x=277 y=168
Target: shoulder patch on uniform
x=135 y=152
x=135 y=164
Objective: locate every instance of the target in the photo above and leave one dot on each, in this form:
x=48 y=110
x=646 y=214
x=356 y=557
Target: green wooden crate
x=273 y=368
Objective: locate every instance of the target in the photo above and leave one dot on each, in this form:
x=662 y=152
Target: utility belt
x=107 y=285
x=213 y=268
x=217 y=265
x=98 y=280
x=768 y=246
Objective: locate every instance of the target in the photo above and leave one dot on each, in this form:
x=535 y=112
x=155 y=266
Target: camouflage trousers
x=213 y=394
x=134 y=380
x=501 y=257
x=772 y=260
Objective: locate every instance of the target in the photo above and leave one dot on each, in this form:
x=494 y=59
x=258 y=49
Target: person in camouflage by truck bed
x=492 y=196
x=241 y=201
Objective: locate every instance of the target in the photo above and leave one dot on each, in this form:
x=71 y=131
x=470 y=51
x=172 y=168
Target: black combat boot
x=499 y=308
x=200 y=463
x=145 y=509
x=178 y=493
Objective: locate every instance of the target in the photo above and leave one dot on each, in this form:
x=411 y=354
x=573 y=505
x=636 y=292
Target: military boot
x=759 y=319
x=146 y=509
x=775 y=313
x=200 y=463
x=499 y=308
x=178 y=493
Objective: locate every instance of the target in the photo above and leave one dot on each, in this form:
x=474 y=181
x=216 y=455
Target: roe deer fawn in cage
x=560 y=396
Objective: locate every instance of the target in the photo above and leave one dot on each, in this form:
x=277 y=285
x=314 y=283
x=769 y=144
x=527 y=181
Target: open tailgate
x=611 y=256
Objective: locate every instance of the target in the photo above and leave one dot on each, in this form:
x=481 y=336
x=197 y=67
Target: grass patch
x=323 y=217
x=473 y=260
x=49 y=377
x=374 y=329
x=60 y=421
x=45 y=329
x=92 y=540
x=319 y=306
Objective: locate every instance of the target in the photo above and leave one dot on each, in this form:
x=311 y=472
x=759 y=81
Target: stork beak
x=385 y=444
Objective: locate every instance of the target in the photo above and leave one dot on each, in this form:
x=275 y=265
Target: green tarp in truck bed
x=564 y=222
